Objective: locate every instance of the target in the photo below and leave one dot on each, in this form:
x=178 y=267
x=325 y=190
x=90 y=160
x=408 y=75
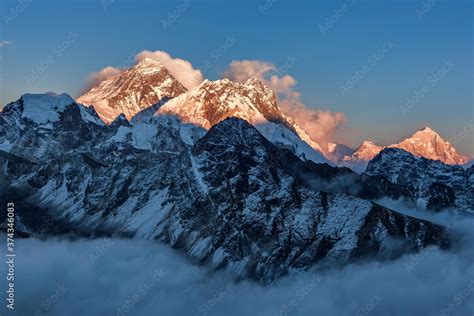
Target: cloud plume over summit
x=181 y=69
x=319 y=124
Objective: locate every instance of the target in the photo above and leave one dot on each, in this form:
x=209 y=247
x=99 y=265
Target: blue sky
x=362 y=58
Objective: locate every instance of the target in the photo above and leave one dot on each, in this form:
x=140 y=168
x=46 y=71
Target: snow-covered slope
x=436 y=185
x=213 y=101
x=424 y=143
x=231 y=200
x=136 y=89
x=44 y=108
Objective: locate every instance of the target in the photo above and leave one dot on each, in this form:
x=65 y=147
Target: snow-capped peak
x=425 y=133
x=367 y=144
x=44 y=108
x=137 y=88
x=138 y=91
x=425 y=143
x=429 y=144
x=213 y=101
x=365 y=152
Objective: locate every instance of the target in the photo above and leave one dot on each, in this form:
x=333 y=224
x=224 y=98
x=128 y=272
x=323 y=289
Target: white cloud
x=241 y=70
x=5 y=43
x=106 y=277
x=96 y=78
x=181 y=69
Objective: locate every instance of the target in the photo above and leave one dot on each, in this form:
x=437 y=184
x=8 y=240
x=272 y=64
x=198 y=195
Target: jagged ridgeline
x=227 y=196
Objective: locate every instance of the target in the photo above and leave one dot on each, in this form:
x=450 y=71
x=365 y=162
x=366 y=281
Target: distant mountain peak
x=426 y=132
x=137 y=88
x=426 y=143
x=365 y=152
x=429 y=144
x=214 y=101
x=367 y=143
x=44 y=108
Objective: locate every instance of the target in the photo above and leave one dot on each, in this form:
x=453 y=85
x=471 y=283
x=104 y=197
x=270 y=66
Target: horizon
x=389 y=64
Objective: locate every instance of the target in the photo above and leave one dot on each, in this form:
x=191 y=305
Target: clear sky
x=362 y=58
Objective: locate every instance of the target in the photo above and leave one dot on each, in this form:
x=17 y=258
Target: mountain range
x=218 y=172
x=424 y=143
x=150 y=83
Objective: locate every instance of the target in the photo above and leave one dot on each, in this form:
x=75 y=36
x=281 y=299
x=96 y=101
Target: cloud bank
x=134 y=277
x=319 y=124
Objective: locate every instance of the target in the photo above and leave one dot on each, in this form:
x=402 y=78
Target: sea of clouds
x=134 y=277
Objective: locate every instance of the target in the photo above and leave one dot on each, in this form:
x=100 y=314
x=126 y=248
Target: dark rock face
x=398 y=228
x=324 y=177
x=231 y=200
x=436 y=185
x=120 y=120
x=307 y=221
x=440 y=196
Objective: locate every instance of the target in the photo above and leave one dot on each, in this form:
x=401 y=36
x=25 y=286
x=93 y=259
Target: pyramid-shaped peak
x=427 y=133
x=137 y=88
x=429 y=144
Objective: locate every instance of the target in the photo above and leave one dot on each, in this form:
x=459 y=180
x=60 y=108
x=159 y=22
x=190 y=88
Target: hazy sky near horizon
x=391 y=67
